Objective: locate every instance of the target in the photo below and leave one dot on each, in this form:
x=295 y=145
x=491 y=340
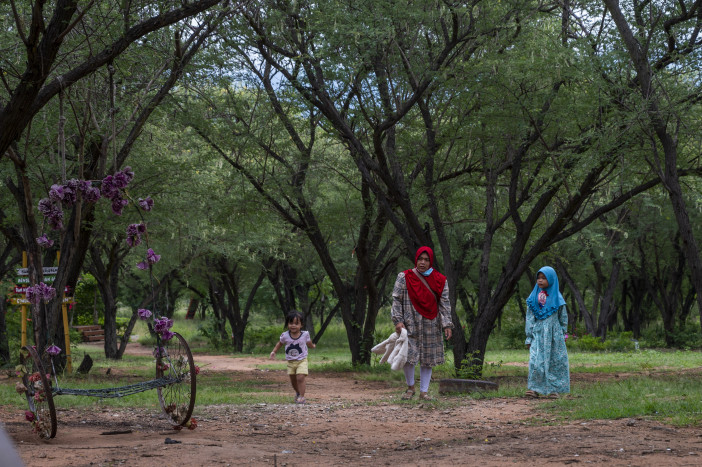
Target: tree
x=663 y=43
x=56 y=61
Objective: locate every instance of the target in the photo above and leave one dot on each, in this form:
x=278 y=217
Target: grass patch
x=676 y=400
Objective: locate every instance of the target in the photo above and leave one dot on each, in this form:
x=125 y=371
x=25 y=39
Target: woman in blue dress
x=546 y=324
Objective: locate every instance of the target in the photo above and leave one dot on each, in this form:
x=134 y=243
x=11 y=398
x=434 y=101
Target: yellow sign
x=24 y=301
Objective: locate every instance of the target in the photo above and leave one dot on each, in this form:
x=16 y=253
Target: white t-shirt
x=295 y=349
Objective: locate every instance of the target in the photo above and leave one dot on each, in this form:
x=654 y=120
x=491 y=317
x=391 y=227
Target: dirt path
x=347 y=422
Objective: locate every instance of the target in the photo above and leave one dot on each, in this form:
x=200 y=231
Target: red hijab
x=423 y=300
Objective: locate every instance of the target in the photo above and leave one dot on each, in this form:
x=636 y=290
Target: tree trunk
x=4 y=344
x=608 y=308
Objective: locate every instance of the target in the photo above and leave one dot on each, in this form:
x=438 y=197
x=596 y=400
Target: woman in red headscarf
x=420 y=303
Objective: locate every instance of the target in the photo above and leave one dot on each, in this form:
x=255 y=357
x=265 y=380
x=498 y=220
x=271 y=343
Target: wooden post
x=24 y=307
x=66 y=336
x=64 y=312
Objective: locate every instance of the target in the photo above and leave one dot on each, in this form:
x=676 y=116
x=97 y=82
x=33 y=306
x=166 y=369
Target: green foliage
x=261 y=339
x=209 y=329
x=687 y=337
x=14 y=334
x=511 y=336
x=616 y=342
x=587 y=343
x=87 y=296
x=471 y=367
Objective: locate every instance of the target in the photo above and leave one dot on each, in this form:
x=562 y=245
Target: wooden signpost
x=49 y=277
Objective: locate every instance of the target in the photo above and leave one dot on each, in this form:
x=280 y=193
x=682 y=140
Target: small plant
x=471 y=367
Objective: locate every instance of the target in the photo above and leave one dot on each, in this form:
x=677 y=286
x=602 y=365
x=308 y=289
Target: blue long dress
x=549 y=371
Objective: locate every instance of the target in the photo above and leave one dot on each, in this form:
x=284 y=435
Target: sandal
x=532 y=394
x=409 y=394
x=300 y=400
x=425 y=396
x=553 y=395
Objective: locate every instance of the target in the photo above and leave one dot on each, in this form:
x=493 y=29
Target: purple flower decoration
x=39 y=292
x=162 y=324
x=167 y=335
x=117 y=205
x=29 y=415
x=160 y=351
x=144 y=314
x=147 y=204
x=53 y=350
x=45 y=206
x=66 y=194
x=56 y=193
x=56 y=220
x=52 y=212
x=134 y=232
x=44 y=241
x=108 y=188
x=90 y=193
x=152 y=257
x=120 y=180
x=128 y=173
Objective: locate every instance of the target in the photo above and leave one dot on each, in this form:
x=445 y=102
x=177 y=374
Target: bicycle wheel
x=39 y=395
x=175 y=361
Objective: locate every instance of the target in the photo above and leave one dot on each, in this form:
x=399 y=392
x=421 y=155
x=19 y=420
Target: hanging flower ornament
x=134 y=233
x=151 y=258
x=53 y=350
x=147 y=204
x=39 y=292
x=144 y=314
x=44 y=241
x=162 y=326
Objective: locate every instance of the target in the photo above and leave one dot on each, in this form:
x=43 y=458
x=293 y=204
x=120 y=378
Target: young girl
x=296 y=342
x=546 y=324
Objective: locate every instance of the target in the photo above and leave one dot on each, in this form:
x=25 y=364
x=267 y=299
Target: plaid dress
x=426 y=341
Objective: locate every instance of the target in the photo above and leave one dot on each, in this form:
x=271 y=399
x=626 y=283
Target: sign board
x=24 y=301
x=23 y=289
x=53 y=270
x=25 y=279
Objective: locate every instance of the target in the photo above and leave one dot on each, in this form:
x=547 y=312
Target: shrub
x=616 y=342
x=587 y=343
x=210 y=330
x=261 y=338
x=86 y=296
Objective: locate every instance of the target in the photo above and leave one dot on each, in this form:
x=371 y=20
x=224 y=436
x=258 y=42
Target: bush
x=687 y=338
x=209 y=329
x=86 y=295
x=616 y=342
x=261 y=338
x=622 y=342
x=586 y=343
x=513 y=334
x=13 y=329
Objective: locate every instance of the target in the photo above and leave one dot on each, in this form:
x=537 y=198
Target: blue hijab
x=554 y=299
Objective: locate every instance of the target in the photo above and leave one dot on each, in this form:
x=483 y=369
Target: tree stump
x=85 y=365
x=465 y=385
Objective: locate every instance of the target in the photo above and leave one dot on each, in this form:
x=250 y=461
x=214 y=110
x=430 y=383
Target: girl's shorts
x=297 y=367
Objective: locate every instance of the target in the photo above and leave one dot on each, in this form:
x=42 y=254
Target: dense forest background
x=297 y=153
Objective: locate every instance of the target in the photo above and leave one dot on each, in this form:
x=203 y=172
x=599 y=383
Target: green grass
x=676 y=400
